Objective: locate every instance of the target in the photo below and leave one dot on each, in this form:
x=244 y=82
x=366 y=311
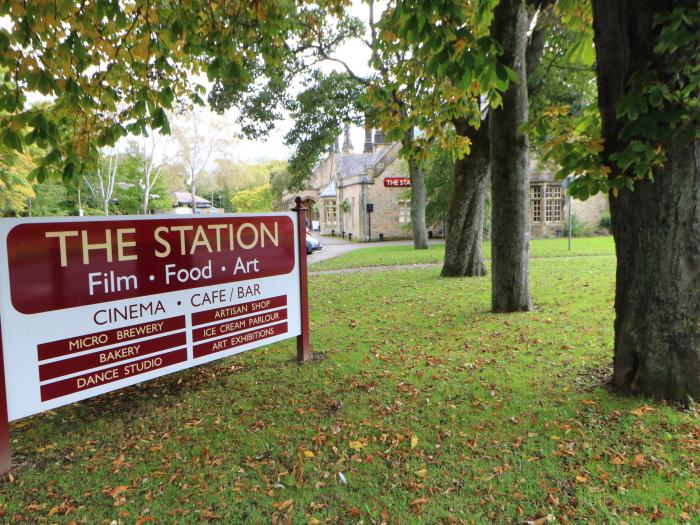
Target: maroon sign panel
x=397 y=182
x=67 y=264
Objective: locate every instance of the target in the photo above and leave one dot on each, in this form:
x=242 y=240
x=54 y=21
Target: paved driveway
x=332 y=247
x=335 y=246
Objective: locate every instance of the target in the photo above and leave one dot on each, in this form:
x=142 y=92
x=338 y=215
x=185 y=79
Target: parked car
x=312 y=244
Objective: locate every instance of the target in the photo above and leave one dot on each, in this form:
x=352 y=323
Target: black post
x=370 y=209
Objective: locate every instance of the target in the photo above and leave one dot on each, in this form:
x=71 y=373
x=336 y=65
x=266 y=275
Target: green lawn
x=431 y=409
x=379 y=255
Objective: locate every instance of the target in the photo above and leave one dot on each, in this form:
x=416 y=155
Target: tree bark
x=418 y=192
x=656 y=227
x=193 y=197
x=465 y=213
x=510 y=183
x=146 y=198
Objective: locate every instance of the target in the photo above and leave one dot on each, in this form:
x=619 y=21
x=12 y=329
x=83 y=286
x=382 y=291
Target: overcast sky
x=354 y=53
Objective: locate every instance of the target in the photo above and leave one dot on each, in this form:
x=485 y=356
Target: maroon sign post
x=303 y=343
x=89 y=306
x=5 y=454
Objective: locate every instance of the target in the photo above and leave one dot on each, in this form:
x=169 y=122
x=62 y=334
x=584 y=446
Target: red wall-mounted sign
x=90 y=305
x=397 y=182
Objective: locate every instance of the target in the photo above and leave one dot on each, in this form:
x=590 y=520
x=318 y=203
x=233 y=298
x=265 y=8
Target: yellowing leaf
x=641 y=410
x=357 y=445
x=309 y=454
x=422 y=473
x=581 y=479
x=414 y=441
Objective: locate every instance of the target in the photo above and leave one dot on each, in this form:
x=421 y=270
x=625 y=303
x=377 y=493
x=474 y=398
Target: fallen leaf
x=641 y=410
x=637 y=461
x=282 y=505
x=618 y=460
x=356 y=445
x=414 y=441
x=309 y=454
x=117 y=490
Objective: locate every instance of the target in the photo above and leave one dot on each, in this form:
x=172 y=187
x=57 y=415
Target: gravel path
x=365 y=269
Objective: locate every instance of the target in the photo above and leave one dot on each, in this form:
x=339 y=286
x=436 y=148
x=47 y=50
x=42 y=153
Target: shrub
x=576 y=227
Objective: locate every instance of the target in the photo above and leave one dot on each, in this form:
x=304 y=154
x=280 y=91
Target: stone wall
x=387 y=218
x=590 y=211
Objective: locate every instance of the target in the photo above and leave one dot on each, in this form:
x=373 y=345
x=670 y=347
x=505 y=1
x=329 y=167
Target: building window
x=536 y=203
x=552 y=203
x=404 y=212
x=331 y=212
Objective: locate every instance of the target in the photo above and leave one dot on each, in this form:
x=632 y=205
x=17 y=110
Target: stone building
x=549 y=206
x=344 y=183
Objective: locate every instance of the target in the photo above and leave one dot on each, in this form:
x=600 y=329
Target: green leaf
x=502 y=77
x=582 y=51
x=12 y=140
x=68 y=171
x=160 y=121
x=656 y=97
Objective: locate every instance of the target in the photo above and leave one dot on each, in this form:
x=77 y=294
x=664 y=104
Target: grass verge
x=391 y=255
x=424 y=408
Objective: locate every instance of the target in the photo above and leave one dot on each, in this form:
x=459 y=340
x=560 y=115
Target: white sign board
x=91 y=305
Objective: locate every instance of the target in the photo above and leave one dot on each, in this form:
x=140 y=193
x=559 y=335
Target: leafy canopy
x=112 y=67
x=661 y=102
x=253 y=200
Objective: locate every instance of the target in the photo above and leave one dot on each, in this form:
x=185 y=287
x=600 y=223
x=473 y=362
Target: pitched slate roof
x=355 y=163
x=329 y=191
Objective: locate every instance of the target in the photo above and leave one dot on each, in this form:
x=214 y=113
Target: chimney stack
x=347 y=143
x=378 y=137
x=369 y=145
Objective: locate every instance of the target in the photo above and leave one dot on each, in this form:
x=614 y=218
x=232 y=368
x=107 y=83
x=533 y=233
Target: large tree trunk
x=510 y=184
x=465 y=214
x=656 y=227
x=420 y=232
